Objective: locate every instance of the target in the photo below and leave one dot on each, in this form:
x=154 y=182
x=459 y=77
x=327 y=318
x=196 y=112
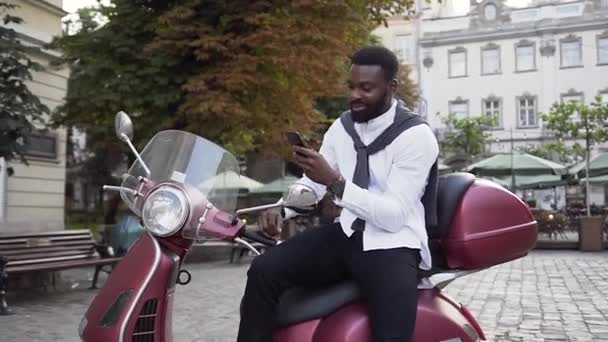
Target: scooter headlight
x=165 y=211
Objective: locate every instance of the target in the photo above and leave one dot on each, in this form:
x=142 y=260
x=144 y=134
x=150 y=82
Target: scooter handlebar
x=257 y=237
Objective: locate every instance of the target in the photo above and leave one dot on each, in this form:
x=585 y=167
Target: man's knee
x=264 y=266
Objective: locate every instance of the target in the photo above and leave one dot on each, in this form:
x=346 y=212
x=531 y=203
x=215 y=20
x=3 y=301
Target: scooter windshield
x=189 y=159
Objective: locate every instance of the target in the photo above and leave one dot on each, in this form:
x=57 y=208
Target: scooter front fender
x=137 y=298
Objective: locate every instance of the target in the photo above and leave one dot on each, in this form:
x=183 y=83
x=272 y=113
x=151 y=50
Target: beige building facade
x=33 y=198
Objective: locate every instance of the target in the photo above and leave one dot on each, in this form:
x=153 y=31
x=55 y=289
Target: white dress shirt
x=392 y=204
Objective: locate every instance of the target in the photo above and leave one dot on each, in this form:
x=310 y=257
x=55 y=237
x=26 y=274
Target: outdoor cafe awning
x=519 y=164
x=530 y=182
x=277 y=186
x=598 y=166
x=231 y=181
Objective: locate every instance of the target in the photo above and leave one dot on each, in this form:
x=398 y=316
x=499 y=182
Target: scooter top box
x=489 y=225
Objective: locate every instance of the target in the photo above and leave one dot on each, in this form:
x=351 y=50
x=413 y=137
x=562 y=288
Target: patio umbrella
x=598 y=166
x=519 y=169
x=277 y=186
x=231 y=180
x=597 y=180
x=443 y=168
x=531 y=182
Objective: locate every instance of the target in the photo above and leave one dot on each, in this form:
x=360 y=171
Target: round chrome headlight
x=165 y=211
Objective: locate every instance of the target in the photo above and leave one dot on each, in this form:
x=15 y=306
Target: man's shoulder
x=421 y=133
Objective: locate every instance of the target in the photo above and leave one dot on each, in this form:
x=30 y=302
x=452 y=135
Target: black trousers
x=325 y=255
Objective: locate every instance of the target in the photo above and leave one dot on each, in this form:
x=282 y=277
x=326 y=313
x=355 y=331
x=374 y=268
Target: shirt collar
x=382 y=121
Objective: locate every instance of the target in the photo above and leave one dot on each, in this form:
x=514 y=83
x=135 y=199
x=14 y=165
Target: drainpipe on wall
x=3 y=177
x=419 y=9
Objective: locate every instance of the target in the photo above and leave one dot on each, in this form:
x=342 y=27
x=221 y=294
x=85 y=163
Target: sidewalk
x=547 y=296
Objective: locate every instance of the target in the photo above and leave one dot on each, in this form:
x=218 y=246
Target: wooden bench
x=22 y=253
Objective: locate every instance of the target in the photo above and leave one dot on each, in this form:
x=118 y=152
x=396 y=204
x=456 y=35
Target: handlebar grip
x=254 y=236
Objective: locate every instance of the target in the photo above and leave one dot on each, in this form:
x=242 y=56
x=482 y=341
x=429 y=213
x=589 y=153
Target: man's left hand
x=314 y=165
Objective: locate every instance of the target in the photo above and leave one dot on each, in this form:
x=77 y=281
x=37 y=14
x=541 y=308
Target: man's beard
x=371 y=112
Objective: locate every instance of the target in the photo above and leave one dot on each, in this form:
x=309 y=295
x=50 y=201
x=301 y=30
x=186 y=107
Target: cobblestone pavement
x=547 y=296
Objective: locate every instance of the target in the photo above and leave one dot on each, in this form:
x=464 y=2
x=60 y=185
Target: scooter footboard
x=439 y=318
x=136 y=297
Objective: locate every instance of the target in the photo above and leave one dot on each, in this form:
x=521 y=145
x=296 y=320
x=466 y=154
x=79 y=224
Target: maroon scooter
x=180 y=187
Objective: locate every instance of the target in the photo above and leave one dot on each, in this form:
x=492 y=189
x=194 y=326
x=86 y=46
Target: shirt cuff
x=351 y=196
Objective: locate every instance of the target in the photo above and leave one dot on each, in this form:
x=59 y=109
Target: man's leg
x=313 y=258
x=388 y=281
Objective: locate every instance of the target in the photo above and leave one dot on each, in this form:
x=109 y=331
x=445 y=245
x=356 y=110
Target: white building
x=512 y=63
x=33 y=198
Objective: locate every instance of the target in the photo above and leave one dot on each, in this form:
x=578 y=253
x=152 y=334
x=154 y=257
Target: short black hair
x=378 y=55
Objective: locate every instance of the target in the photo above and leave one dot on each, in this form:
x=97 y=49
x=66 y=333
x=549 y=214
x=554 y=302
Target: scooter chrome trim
x=157 y=254
x=248 y=245
x=441 y=280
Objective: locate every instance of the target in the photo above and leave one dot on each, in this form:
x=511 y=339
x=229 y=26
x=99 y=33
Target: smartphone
x=294 y=138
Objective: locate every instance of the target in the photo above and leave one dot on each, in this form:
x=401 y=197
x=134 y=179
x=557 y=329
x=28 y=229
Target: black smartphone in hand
x=294 y=138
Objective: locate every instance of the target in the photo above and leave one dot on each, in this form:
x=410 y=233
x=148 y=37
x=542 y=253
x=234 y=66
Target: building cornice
x=58 y=11
x=516 y=31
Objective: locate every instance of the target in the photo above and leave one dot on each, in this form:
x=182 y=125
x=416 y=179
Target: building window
x=573 y=97
x=526 y=111
x=492 y=108
x=460 y=108
x=569 y=10
x=490 y=59
x=571 y=53
x=405 y=48
x=603 y=96
x=525 y=15
x=457 y=62
x=489 y=12
x=525 y=58
x=602 y=48
x=41 y=145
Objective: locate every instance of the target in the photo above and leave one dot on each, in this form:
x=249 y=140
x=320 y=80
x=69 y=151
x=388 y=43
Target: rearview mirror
x=123 y=126
x=300 y=198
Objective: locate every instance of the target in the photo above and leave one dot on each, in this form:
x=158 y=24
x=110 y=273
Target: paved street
x=547 y=296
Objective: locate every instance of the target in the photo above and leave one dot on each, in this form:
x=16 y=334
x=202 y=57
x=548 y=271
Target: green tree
x=465 y=137
x=578 y=121
x=240 y=73
x=20 y=109
x=408 y=90
x=540 y=151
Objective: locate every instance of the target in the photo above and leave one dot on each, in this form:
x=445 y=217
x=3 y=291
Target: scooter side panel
x=438 y=319
x=141 y=277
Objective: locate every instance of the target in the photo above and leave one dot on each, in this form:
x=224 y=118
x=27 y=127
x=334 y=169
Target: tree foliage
x=466 y=136
x=540 y=151
x=408 y=90
x=20 y=109
x=572 y=120
x=577 y=121
x=240 y=73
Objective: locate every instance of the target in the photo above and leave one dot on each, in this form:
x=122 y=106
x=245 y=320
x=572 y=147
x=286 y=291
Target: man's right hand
x=270 y=223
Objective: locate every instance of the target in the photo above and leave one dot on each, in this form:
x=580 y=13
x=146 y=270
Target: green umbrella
x=530 y=181
x=519 y=164
x=442 y=168
x=277 y=186
x=597 y=180
x=520 y=170
x=230 y=181
x=598 y=166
